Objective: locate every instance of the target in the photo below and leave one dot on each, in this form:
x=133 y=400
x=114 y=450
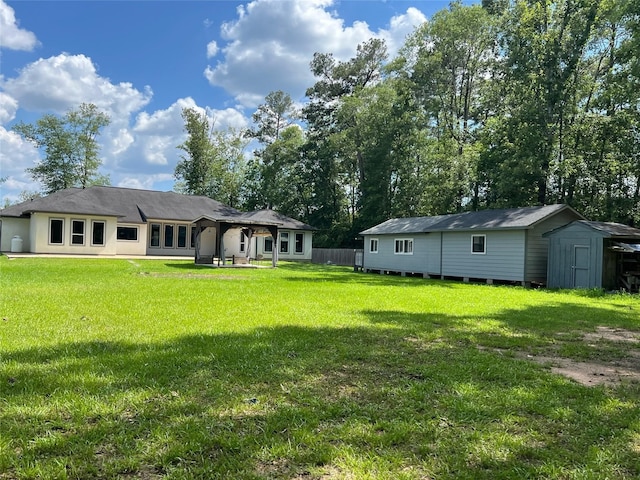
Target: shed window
x=404 y=246
x=77 y=232
x=56 y=231
x=97 y=234
x=478 y=244
x=373 y=245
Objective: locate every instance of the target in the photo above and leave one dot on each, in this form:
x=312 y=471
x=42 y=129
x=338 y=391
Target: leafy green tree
x=334 y=167
x=271 y=119
x=447 y=62
x=70 y=148
x=213 y=164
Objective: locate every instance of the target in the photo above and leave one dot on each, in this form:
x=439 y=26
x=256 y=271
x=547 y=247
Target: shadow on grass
x=413 y=400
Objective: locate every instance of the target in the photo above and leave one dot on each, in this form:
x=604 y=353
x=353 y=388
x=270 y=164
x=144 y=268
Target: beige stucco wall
x=10 y=228
x=307 y=245
x=133 y=247
x=39 y=237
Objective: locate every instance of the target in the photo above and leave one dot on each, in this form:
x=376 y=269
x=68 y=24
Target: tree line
x=501 y=104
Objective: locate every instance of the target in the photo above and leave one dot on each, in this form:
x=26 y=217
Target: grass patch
x=165 y=369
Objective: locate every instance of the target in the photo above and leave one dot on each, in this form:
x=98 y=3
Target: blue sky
x=144 y=61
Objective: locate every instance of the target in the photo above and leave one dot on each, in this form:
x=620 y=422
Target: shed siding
x=561 y=256
x=425 y=258
x=503 y=260
x=538 y=247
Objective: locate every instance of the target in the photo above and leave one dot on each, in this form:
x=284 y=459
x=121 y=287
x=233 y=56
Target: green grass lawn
x=163 y=369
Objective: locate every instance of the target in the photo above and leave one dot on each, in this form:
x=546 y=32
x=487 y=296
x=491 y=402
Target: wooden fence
x=335 y=256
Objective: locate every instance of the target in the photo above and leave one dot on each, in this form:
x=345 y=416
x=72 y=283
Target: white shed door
x=580 y=266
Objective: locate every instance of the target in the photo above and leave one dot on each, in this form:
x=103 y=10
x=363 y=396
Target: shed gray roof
x=607 y=229
x=510 y=218
x=130 y=205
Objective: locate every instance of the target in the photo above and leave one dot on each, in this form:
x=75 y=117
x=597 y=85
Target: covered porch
x=210 y=237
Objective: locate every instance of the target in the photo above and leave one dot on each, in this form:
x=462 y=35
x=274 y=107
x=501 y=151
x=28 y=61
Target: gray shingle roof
x=510 y=218
x=273 y=217
x=613 y=229
x=130 y=205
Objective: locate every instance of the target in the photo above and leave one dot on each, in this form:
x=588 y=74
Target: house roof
x=510 y=218
x=129 y=205
x=607 y=229
x=269 y=217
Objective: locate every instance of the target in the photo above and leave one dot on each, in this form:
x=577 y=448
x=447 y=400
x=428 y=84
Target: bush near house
x=163 y=369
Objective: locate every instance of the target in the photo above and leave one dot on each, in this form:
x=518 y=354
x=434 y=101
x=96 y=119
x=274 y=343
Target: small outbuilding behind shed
x=585 y=254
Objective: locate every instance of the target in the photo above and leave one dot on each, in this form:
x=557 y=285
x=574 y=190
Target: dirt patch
x=623 y=367
x=591 y=373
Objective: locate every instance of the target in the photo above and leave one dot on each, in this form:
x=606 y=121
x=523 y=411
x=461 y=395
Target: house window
x=128 y=233
x=243 y=242
x=478 y=244
x=193 y=237
x=154 y=240
x=182 y=236
x=299 y=246
x=77 y=232
x=373 y=245
x=97 y=233
x=168 y=235
x=268 y=244
x=284 y=242
x=404 y=246
x=56 y=231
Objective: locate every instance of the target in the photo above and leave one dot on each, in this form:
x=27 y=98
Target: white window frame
x=403 y=246
x=264 y=245
x=129 y=227
x=373 y=245
x=297 y=236
x=159 y=245
x=185 y=228
x=61 y=220
x=104 y=232
x=284 y=235
x=166 y=237
x=484 y=244
x=81 y=236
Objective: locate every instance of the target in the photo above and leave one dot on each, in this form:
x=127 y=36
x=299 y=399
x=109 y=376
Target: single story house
x=586 y=254
x=491 y=245
x=121 y=221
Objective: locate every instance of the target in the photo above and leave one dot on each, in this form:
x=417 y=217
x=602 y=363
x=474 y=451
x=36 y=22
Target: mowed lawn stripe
x=165 y=369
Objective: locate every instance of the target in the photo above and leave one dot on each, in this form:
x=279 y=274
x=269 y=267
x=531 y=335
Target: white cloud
x=8 y=108
x=271 y=43
x=16 y=155
x=212 y=49
x=11 y=35
x=400 y=27
x=63 y=82
x=146 y=182
x=150 y=144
